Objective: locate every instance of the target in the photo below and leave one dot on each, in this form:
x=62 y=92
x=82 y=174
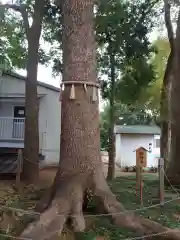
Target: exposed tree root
x=46 y=200
x=69 y=201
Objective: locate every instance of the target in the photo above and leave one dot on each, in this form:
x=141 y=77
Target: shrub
x=134 y=168
x=126 y=169
x=153 y=169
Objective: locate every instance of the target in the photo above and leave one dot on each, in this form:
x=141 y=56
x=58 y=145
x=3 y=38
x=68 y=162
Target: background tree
x=32 y=33
x=124 y=50
x=12 y=48
x=151 y=96
x=13 y=41
x=173 y=170
x=146 y=110
x=165 y=90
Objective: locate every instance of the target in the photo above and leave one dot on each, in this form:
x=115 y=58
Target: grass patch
x=125 y=191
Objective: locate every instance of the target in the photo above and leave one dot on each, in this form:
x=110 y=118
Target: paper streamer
x=85 y=87
x=72 y=92
x=94 y=96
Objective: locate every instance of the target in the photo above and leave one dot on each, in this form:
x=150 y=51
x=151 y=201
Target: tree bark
x=31 y=143
x=80 y=164
x=165 y=90
x=164 y=110
x=173 y=171
x=111 y=147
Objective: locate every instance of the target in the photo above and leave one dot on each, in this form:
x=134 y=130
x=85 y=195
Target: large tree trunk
x=164 y=110
x=165 y=90
x=173 y=171
x=31 y=142
x=80 y=164
x=111 y=135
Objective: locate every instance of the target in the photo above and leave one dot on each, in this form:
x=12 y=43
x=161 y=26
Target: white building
x=12 y=116
x=129 y=138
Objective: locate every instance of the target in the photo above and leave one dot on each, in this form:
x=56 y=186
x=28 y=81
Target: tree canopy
x=13 y=41
x=13 y=52
x=151 y=95
x=122 y=29
x=126 y=22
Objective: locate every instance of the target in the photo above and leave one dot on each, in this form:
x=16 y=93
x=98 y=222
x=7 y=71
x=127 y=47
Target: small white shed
x=130 y=137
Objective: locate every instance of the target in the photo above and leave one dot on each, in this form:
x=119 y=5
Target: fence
x=11 y=128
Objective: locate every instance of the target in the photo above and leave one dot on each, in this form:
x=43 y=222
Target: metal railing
x=12 y=128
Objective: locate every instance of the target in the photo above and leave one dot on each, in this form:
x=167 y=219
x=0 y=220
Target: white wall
x=49 y=125
x=7 y=106
x=6 y=109
x=127 y=143
x=49 y=115
x=156 y=149
x=118 y=148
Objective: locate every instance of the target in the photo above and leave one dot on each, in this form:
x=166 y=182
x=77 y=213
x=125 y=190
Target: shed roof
x=18 y=76
x=137 y=129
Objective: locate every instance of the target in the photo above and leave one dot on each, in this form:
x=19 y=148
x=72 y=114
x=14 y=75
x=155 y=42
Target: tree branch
x=147 y=11
x=177 y=2
x=167 y=17
x=21 y=9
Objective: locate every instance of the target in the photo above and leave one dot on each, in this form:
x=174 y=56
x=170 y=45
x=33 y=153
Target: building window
x=150 y=147
x=157 y=143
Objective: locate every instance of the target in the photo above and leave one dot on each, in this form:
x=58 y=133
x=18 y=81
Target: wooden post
x=161 y=180
x=18 y=170
x=138 y=178
x=139 y=183
x=141 y=186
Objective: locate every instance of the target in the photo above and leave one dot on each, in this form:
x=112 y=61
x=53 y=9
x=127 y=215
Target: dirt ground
x=47 y=174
